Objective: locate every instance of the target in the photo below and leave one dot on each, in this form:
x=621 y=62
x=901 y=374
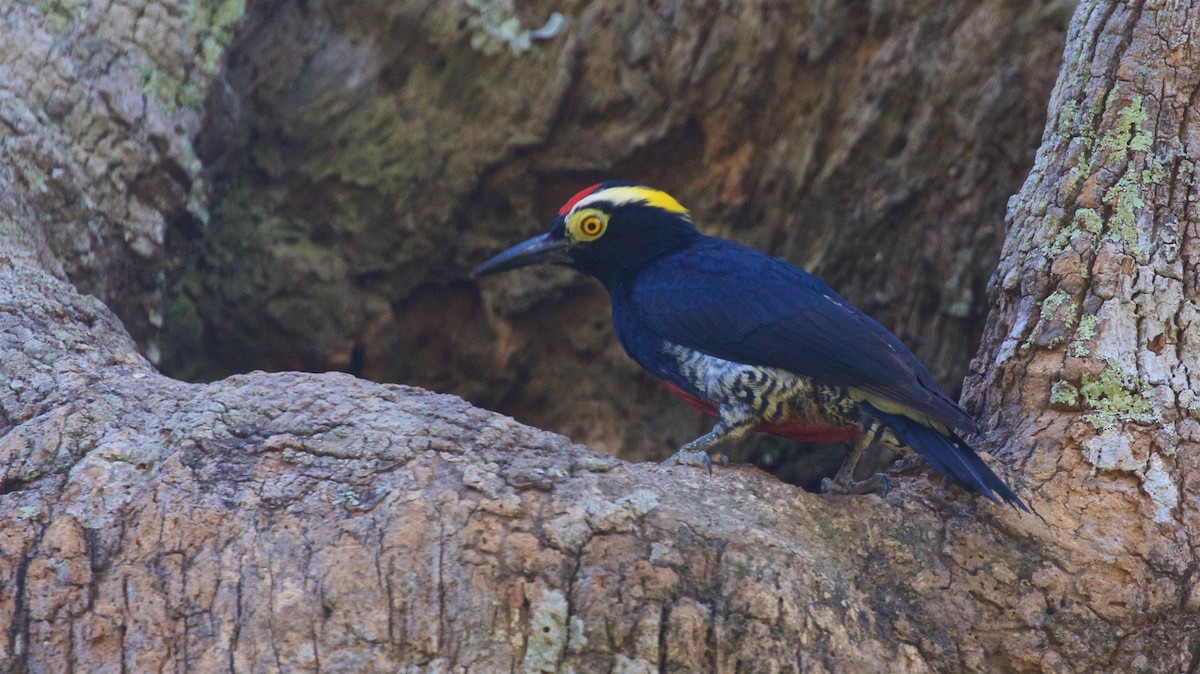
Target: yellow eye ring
x=588 y=225
x=591 y=226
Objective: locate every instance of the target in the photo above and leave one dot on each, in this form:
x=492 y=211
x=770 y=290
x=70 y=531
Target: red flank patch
x=796 y=428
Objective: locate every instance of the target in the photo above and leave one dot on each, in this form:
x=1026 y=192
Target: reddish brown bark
x=300 y=522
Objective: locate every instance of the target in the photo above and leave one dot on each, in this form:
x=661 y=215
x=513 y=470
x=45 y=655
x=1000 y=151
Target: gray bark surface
x=296 y=522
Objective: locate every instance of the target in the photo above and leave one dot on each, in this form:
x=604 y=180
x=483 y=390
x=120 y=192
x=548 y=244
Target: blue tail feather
x=950 y=456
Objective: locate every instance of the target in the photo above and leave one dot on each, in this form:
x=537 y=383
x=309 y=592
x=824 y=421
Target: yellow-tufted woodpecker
x=755 y=341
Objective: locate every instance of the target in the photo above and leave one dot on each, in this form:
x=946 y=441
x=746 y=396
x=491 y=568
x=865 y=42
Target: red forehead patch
x=577 y=198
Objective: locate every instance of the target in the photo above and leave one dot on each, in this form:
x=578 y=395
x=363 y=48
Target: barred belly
x=779 y=401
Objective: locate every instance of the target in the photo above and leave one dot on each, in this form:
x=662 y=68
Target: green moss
x=210 y=29
x=1153 y=174
x=1066 y=117
x=1085 y=220
x=214 y=22
x=1089 y=220
x=1128 y=133
x=1054 y=320
x=157 y=85
x=36 y=180
x=1125 y=197
x=28 y=512
x=62 y=14
x=1051 y=310
x=1063 y=393
x=1113 y=396
x=347 y=496
x=1051 y=304
x=1086 y=331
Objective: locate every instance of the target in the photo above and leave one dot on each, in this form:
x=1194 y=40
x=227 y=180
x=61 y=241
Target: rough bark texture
x=1091 y=357
x=368 y=154
x=96 y=148
x=296 y=522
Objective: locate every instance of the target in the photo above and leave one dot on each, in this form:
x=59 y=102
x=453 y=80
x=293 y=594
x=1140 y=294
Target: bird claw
x=696 y=458
x=876 y=484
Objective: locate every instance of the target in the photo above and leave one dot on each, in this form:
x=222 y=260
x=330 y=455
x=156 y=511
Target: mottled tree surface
x=366 y=155
x=303 y=522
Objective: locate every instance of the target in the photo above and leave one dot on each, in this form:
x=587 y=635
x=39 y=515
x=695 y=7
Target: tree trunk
x=1087 y=375
x=300 y=522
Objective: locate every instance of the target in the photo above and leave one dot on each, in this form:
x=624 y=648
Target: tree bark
x=302 y=522
x=1087 y=373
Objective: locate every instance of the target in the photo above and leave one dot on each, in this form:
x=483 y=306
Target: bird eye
x=589 y=227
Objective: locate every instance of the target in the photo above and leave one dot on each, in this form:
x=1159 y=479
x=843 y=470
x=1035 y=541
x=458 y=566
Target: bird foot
x=694 y=458
x=876 y=484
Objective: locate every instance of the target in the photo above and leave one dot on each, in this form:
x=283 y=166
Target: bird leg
x=844 y=482
x=695 y=453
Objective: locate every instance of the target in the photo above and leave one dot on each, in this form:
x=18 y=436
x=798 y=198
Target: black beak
x=539 y=250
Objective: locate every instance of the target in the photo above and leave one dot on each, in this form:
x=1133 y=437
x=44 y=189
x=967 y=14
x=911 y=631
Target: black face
x=608 y=231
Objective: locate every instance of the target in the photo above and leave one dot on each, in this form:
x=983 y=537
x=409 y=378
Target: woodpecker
x=753 y=340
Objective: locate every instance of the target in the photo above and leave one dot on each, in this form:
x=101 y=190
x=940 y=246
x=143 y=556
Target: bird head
x=609 y=230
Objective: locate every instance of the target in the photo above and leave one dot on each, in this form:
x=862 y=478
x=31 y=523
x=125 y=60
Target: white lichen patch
x=639 y=502
x=1016 y=335
x=619 y=516
x=578 y=636
x=345 y=496
x=1118 y=341
x=495 y=25
x=547 y=629
x=569 y=531
x=485 y=478
x=593 y=513
x=1157 y=484
x=29 y=512
x=1111 y=450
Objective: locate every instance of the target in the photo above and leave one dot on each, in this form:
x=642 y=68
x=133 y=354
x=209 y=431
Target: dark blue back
x=739 y=304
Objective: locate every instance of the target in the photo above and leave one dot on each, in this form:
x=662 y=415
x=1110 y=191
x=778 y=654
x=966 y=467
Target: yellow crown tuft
x=633 y=194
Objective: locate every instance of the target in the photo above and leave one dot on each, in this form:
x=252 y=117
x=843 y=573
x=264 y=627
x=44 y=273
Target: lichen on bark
x=297 y=521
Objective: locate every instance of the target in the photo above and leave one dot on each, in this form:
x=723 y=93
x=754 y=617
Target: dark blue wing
x=738 y=304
